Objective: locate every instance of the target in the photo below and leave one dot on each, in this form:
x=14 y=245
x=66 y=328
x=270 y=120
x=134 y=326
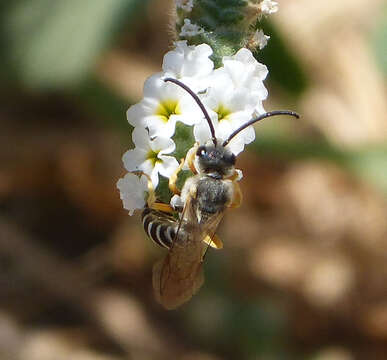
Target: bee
x=189 y=230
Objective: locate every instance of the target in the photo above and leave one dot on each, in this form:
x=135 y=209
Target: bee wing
x=178 y=276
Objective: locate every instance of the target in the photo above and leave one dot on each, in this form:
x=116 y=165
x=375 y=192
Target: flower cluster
x=189 y=29
x=185 y=5
x=232 y=95
x=268 y=7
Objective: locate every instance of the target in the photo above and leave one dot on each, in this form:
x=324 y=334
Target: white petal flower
x=260 y=39
x=189 y=64
x=246 y=72
x=189 y=29
x=185 y=5
x=132 y=191
x=268 y=7
x=163 y=105
x=231 y=107
x=203 y=135
x=149 y=155
x=243 y=66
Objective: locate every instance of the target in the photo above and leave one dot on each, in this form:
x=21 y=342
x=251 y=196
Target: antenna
x=196 y=98
x=261 y=117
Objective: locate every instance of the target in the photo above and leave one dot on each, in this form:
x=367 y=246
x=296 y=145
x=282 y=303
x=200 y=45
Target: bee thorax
x=213 y=194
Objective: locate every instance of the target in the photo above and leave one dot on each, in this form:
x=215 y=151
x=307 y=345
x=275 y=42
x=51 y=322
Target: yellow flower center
x=222 y=112
x=152 y=156
x=167 y=108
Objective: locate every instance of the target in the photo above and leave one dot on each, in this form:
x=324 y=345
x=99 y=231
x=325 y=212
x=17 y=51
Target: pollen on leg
x=237 y=197
x=163 y=207
x=214 y=242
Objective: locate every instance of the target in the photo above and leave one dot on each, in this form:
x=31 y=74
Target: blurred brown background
x=303 y=274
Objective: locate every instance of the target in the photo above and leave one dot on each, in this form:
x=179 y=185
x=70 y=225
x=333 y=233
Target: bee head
x=215 y=161
x=214 y=158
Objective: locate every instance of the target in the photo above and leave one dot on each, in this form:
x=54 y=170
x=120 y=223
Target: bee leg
x=163 y=207
x=191 y=157
x=152 y=203
x=237 y=198
x=236 y=176
x=173 y=179
x=214 y=242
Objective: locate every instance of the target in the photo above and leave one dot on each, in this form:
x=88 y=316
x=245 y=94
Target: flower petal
x=163 y=145
x=133 y=159
x=159 y=127
x=202 y=131
x=167 y=166
x=188 y=61
x=236 y=145
x=141 y=138
x=132 y=192
x=154 y=175
x=135 y=114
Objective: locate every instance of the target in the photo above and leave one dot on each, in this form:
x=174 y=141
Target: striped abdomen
x=159 y=226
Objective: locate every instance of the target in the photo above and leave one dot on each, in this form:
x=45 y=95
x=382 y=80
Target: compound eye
x=230 y=159
x=201 y=151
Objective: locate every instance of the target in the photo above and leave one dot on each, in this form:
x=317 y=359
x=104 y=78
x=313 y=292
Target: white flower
x=186 y=5
x=268 y=7
x=189 y=29
x=164 y=103
x=203 y=135
x=260 y=39
x=242 y=67
x=189 y=64
x=233 y=107
x=149 y=155
x=246 y=72
x=132 y=191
